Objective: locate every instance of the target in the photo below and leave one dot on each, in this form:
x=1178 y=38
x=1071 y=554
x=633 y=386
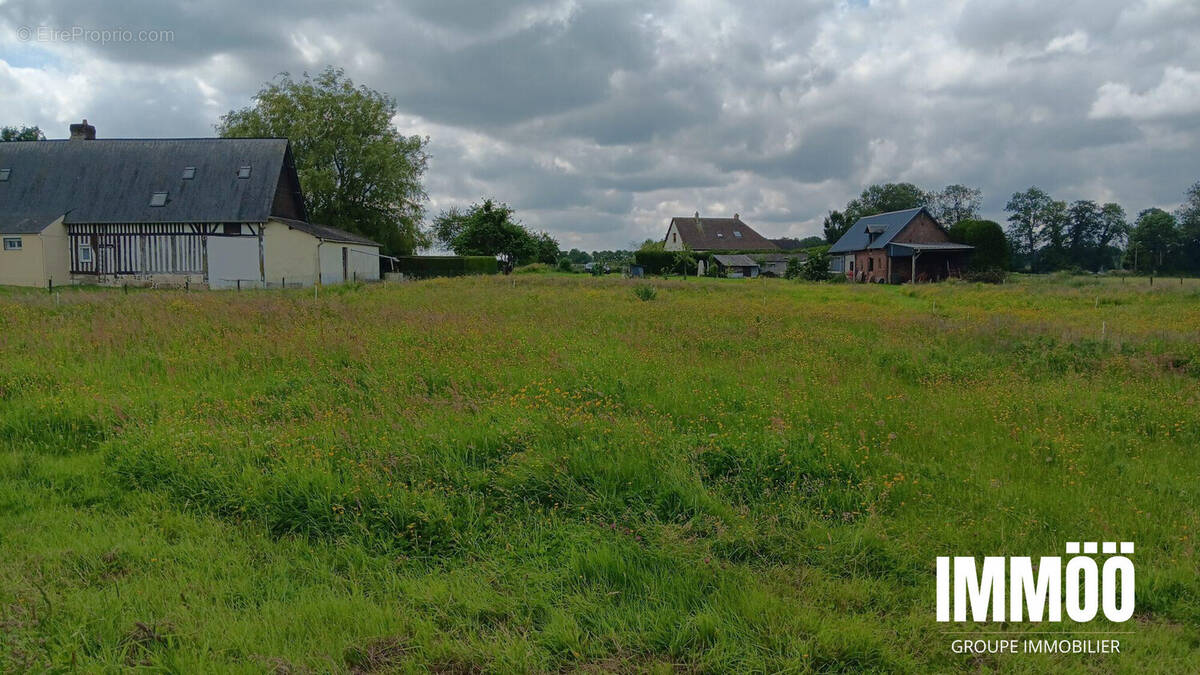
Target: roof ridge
x=888 y=213
x=175 y=138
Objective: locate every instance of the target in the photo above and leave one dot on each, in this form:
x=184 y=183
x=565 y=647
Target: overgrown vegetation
x=541 y=473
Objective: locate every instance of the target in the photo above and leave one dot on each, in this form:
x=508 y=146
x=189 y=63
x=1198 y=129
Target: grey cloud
x=597 y=119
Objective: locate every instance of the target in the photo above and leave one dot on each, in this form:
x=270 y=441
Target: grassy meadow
x=546 y=473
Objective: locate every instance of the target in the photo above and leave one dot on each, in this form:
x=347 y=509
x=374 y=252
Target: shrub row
x=424 y=266
x=662 y=262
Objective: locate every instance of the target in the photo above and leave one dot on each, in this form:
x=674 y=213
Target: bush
x=991 y=246
x=794 y=268
x=655 y=262
x=533 y=268
x=816 y=268
x=564 y=265
x=426 y=266
x=991 y=275
x=645 y=292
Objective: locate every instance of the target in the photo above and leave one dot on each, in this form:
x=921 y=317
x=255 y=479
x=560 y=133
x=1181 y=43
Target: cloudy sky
x=598 y=120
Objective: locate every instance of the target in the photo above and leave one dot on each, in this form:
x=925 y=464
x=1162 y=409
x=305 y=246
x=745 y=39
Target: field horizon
x=545 y=473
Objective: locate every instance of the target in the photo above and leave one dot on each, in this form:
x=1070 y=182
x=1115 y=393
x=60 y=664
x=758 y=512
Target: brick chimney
x=83 y=132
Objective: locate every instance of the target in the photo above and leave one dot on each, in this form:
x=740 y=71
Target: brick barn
x=898 y=247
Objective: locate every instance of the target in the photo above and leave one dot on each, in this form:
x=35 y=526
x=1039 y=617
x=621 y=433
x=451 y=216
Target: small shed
x=737 y=266
x=775 y=264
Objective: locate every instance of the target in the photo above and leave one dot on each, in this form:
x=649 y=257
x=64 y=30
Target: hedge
x=424 y=266
x=660 y=262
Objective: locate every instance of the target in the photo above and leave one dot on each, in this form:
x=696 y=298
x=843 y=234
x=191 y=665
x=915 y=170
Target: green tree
x=816 y=267
x=835 y=226
x=1114 y=230
x=490 y=229
x=1084 y=223
x=991 y=246
x=1055 y=220
x=546 y=248
x=685 y=261
x=614 y=258
x=1028 y=211
x=795 y=267
x=1189 y=229
x=883 y=199
x=1154 y=239
x=357 y=171
x=579 y=257
x=1091 y=231
x=21 y=134
x=956 y=203
x=792 y=243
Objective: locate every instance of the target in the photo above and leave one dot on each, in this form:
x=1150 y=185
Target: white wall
x=290 y=254
x=361 y=262
x=232 y=258
x=673 y=242
x=364 y=261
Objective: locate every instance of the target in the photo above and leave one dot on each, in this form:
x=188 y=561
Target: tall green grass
x=545 y=473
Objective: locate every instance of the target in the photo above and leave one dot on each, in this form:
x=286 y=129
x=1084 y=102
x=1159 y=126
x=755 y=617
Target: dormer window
x=244 y=172
x=4 y=175
x=189 y=172
x=158 y=199
x=737 y=233
x=720 y=235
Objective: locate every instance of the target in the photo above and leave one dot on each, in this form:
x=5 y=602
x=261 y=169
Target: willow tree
x=358 y=172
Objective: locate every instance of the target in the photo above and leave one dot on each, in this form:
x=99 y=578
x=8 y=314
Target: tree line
x=1044 y=234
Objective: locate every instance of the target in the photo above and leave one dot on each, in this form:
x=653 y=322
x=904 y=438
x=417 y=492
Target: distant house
x=714 y=234
x=776 y=263
x=220 y=212
x=736 y=266
x=898 y=247
x=711 y=235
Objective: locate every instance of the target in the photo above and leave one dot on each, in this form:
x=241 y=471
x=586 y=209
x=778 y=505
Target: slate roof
x=111 y=180
x=25 y=224
x=885 y=225
x=720 y=234
x=736 y=260
x=326 y=232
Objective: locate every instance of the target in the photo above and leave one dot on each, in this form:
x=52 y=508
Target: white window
x=12 y=243
x=85 y=253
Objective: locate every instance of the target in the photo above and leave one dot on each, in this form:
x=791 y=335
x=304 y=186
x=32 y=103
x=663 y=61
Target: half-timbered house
x=221 y=212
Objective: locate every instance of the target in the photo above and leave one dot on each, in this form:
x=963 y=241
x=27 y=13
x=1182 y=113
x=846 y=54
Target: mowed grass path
x=543 y=473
